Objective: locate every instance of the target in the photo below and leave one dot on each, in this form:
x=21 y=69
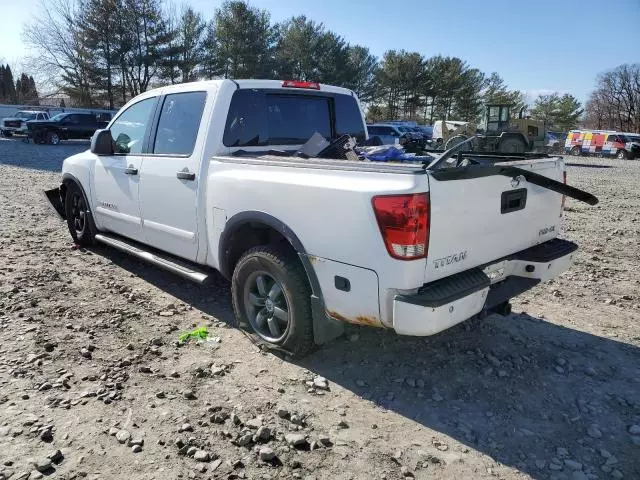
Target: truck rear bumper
x=444 y=303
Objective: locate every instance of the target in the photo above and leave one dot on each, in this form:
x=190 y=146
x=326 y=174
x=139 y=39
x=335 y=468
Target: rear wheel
x=622 y=154
x=511 y=145
x=79 y=221
x=53 y=138
x=7 y=133
x=575 y=151
x=453 y=141
x=271 y=295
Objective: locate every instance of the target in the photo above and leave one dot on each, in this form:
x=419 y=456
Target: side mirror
x=102 y=143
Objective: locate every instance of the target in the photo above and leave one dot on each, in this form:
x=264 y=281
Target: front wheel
x=53 y=138
x=511 y=145
x=79 y=221
x=271 y=294
x=575 y=151
x=622 y=154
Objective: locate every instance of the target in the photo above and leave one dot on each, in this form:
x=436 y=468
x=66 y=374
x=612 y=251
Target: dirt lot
x=89 y=365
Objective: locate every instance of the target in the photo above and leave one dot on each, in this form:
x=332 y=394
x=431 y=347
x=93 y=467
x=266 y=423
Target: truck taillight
x=404 y=224
x=564 y=197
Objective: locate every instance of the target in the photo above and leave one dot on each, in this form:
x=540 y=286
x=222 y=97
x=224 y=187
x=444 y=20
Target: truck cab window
x=271 y=117
x=179 y=123
x=129 y=128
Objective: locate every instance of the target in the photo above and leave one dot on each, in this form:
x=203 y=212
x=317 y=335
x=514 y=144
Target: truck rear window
x=272 y=117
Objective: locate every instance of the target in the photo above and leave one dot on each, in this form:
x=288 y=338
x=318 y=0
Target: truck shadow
x=588 y=165
x=515 y=388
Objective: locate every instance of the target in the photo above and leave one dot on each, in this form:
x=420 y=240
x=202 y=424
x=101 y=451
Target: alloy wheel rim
x=267 y=307
x=78 y=213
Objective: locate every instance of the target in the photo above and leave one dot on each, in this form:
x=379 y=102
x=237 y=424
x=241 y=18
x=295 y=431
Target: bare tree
x=615 y=104
x=60 y=44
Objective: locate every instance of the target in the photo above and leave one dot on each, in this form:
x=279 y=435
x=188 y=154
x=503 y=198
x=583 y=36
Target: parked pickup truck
x=195 y=178
x=64 y=126
x=18 y=123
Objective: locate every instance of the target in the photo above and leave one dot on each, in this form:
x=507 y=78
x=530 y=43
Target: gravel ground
x=93 y=383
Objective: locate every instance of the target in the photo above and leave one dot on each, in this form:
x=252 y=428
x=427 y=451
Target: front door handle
x=186 y=175
x=131 y=170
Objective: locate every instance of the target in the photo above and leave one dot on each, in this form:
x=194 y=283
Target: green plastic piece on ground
x=200 y=332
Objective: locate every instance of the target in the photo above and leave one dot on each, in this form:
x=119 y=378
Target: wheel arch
x=68 y=178
x=252 y=228
x=250 y=223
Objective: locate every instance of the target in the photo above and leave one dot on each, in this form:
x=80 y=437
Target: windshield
x=26 y=115
x=403 y=129
x=632 y=138
x=58 y=117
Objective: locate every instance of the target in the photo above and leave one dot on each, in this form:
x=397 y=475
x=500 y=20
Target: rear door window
x=179 y=123
x=273 y=117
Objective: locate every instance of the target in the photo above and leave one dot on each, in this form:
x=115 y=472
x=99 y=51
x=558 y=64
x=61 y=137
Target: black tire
x=622 y=154
x=53 y=138
x=79 y=219
x=575 y=151
x=7 y=133
x=455 y=140
x=511 y=145
x=272 y=263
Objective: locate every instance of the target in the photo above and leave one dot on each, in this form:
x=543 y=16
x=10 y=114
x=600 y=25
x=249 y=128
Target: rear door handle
x=186 y=175
x=130 y=170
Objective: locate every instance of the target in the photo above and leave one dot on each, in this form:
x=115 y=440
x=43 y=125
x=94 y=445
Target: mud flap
x=55 y=202
x=325 y=328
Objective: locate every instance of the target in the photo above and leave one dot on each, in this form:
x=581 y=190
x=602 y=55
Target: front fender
x=79 y=169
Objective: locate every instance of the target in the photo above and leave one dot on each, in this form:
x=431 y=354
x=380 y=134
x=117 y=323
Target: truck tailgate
x=474 y=221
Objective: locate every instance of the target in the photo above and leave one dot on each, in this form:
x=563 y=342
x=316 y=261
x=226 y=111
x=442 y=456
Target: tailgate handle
x=513 y=200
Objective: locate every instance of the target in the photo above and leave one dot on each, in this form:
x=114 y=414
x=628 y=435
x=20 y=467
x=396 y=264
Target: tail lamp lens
x=404 y=224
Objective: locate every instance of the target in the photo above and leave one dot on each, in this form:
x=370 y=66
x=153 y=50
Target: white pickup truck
x=196 y=177
x=17 y=124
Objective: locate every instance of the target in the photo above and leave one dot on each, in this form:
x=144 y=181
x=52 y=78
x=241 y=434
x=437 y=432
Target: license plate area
x=496 y=272
x=513 y=200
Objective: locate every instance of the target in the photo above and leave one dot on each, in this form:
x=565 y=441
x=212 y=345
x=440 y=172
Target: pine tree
x=3 y=86
x=98 y=25
x=11 y=96
x=190 y=43
x=243 y=44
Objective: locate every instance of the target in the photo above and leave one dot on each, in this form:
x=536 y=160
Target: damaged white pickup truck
x=210 y=175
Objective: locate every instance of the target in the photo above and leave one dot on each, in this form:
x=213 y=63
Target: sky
x=538 y=47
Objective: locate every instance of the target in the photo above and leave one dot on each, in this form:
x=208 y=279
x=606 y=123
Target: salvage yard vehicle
x=64 y=126
x=18 y=123
x=606 y=143
x=204 y=176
